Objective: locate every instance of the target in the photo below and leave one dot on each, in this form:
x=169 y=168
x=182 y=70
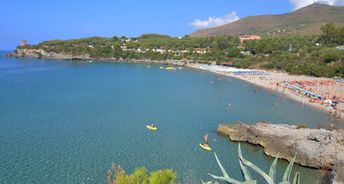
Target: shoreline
x=272 y=77
x=265 y=84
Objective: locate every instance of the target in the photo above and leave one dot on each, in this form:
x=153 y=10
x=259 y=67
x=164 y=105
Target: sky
x=40 y=20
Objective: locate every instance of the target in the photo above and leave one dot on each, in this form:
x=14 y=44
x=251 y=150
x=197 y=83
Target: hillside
x=305 y=21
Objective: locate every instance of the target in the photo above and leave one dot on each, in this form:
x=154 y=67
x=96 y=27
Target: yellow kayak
x=170 y=68
x=150 y=127
x=208 y=148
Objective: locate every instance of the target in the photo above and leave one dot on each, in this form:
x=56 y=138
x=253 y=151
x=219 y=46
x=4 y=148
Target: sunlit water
x=65 y=122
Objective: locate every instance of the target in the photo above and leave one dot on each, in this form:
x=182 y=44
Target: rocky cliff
x=317 y=148
x=42 y=54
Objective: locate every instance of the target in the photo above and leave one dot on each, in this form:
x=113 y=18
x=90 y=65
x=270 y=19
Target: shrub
x=300 y=126
x=117 y=175
x=167 y=176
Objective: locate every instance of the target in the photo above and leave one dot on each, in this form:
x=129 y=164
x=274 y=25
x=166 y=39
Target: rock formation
x=42 y=54
x=317 y=148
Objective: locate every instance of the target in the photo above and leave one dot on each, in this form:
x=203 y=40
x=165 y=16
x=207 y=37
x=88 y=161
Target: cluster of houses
x=163 y=51
x=242 y=38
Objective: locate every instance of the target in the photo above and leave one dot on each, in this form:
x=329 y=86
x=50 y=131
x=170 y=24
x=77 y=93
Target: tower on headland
x=23 y=43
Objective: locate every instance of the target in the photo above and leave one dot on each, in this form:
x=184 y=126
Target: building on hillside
x=123 y=47
x=228 y=63
x=200 y=50
x=244 y=38
x=340 y=47
x=23 y=43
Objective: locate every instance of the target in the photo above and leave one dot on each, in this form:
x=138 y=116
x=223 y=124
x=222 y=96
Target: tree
x=117 y=49
x=332 y=34
x=117 y=175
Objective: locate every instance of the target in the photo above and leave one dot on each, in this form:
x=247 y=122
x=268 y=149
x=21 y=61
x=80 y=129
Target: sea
x=66 y=122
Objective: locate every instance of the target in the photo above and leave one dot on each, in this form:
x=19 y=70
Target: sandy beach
x=282 y=83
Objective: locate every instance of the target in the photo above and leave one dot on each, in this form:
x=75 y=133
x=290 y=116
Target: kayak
x=150 y=127
x=208 y=148
x=170 y=68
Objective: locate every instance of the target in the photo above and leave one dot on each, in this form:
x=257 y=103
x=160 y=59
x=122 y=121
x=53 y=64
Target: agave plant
x=270 y=178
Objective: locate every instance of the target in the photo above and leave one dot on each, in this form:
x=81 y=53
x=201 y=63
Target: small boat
x=153 y=128
x=206 y=147
x=161 y=67
x=170 y=68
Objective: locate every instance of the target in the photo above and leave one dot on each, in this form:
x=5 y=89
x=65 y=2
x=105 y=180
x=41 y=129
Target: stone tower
x=23 y=43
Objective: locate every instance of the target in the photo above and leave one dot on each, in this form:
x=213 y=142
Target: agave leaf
x=250 y=182
x=296 y=179
x=254 y=167
x=224 y=172
x=227 y=179
x=209 y=182
x=287 y=173
x=272 y=171
x=225 y=176
x=245 y=171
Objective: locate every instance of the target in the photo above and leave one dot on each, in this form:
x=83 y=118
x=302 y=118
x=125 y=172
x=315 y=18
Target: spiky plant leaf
x=287 y=173
x=296 y=179
x=209 y=182
x=272 y=171
x=227 y=179
x=224 y=172
x=254 y=167
x=225 y=176
x=250 y=182
x=245 y=171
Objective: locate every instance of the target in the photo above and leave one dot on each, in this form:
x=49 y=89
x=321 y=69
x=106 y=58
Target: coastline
x=266 y=83
x=262 y=81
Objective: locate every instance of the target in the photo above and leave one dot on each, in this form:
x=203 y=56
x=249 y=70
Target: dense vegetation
x=118 y=176
x=316 y=55
x=313 y=55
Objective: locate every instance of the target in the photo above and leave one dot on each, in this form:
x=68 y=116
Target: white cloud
x=215 y=21
x=297 y=4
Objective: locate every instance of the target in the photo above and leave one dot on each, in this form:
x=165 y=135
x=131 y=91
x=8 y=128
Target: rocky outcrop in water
x=42 y=54
x=317 y=148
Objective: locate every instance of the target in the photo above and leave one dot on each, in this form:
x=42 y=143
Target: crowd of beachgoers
x=325 y=93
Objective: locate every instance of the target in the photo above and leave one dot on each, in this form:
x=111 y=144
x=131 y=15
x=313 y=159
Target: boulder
x=317 y=148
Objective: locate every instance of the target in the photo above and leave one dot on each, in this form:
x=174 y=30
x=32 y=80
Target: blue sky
x=38 y=20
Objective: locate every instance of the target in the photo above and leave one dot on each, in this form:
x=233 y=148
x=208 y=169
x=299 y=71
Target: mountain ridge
x=305 y=21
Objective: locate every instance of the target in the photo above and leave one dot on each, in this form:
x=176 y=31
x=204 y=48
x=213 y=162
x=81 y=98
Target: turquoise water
x=65 y=122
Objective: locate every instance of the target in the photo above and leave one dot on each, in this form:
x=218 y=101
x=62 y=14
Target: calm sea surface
x=65 y=122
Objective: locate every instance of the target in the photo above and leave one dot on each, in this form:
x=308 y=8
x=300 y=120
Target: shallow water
x=65 y=122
